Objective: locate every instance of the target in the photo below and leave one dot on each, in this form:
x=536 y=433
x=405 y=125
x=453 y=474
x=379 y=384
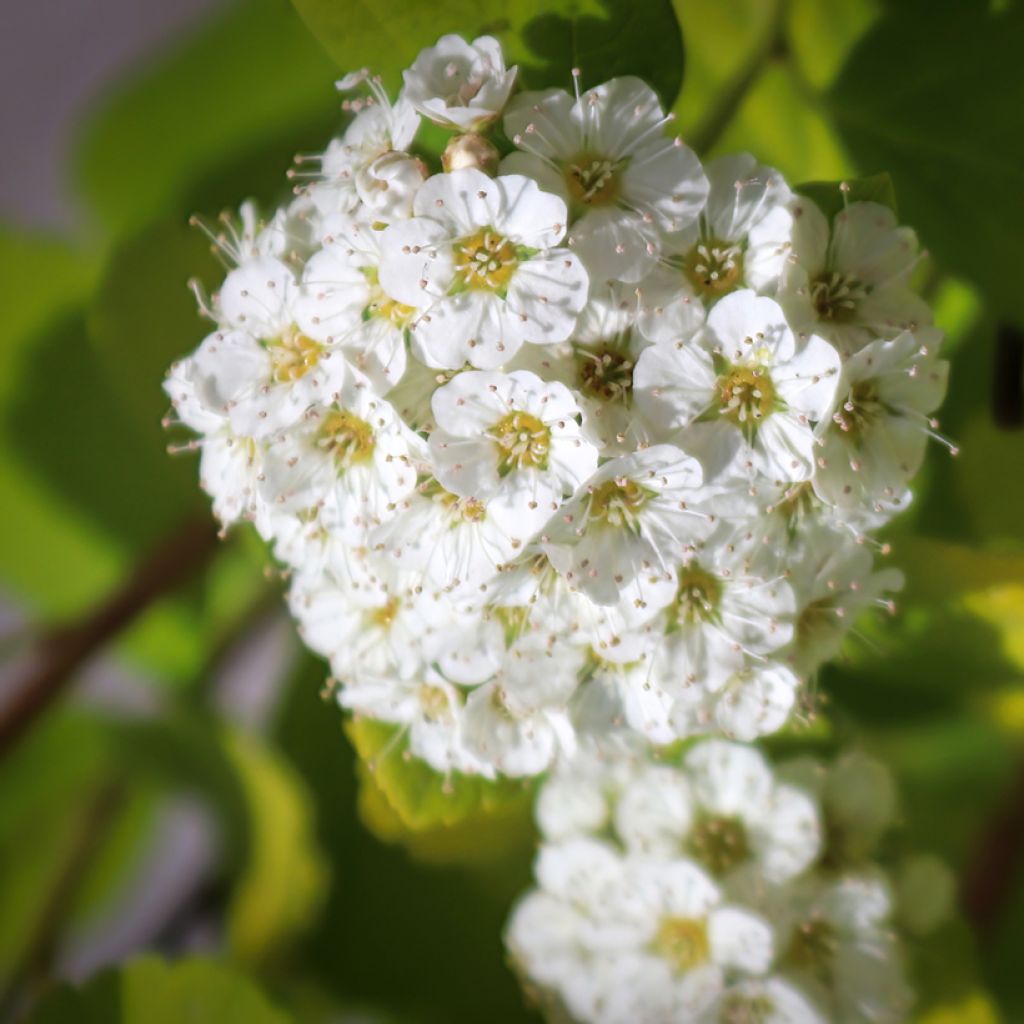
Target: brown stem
x=994 y=868
x=59 y=654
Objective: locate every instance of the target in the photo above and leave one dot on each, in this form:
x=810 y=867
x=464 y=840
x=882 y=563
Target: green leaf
x=150 y=991
x=786 y=129
x=604 y=38
x=143 y=317
x=721 y=38
x=419 y=799
x=820 y=35
x=282 y=886
x=615 y=39
x=250 y=75
x=935 y=108
x=832 y=196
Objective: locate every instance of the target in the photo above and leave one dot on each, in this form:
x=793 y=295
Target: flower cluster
x=718 y=890
x=575 y=447
x=585 y=426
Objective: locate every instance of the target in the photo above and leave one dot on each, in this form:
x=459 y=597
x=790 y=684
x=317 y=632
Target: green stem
x=708 y=133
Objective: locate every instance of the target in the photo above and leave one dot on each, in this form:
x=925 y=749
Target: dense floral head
x=563 y=437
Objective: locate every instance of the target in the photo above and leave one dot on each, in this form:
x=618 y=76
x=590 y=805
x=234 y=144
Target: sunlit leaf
x=420 y=797
x=821 y=35
x=786 y=130
x=283 y=882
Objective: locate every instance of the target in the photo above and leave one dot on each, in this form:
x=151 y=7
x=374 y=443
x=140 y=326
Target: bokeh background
x=172 y=783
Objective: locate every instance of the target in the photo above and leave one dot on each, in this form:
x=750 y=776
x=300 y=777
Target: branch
x=728 y=102
x=993 y=870
x=59 y=654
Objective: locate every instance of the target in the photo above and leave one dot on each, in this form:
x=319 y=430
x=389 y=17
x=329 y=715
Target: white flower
x=881 y=424
x=598 y=363
x=457 y=544
x=345 y=308
x=479 y=260
x=624 y=939
x=723 y=808
x=518 y=721
x=510 y=436
x=720 y=618
x=742 y=389
x=230 y=465
x=836 y=581
x=605 y=153
x=346 y=463
x=772 y=1000
x=637 y=512
x=836 y=941
x=371 y=624
x=349 y=170
x=261 y=370
x=849 y=282
x=458 y=84
x=741 y=240
x=754 y=701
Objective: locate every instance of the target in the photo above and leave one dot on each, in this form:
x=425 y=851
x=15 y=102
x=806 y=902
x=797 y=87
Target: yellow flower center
x=605 y=373
x=467 y=510
x=385 y=615
x=746 y=395
x=592 y=180
x=835 y=296
x=485 y=261
x=347 y=437
x=813 y=947
x=861 y=407
x=435 y=704
x=618 y=503
x=292 y=355
x=523 y=442
x=697 y=597
x=719 y=843
x=683 y=941
x=745 y=1009
x=714 y=268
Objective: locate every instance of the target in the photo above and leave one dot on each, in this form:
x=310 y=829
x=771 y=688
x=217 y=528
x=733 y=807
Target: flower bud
x=470 y=150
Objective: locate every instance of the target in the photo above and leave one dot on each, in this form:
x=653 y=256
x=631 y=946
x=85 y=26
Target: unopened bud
x=470 y=150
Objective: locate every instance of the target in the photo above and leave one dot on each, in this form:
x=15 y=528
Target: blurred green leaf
x=820 y=35
x=249 y=75
x=976 y=1008
x=282 y=886
x=48 y=280
x=786 y=129
x=832 y=196
x=150 y=991
x=420 y=797
x=992 y=492
x=604 y=38
x=143 y=317
x=937 y=109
